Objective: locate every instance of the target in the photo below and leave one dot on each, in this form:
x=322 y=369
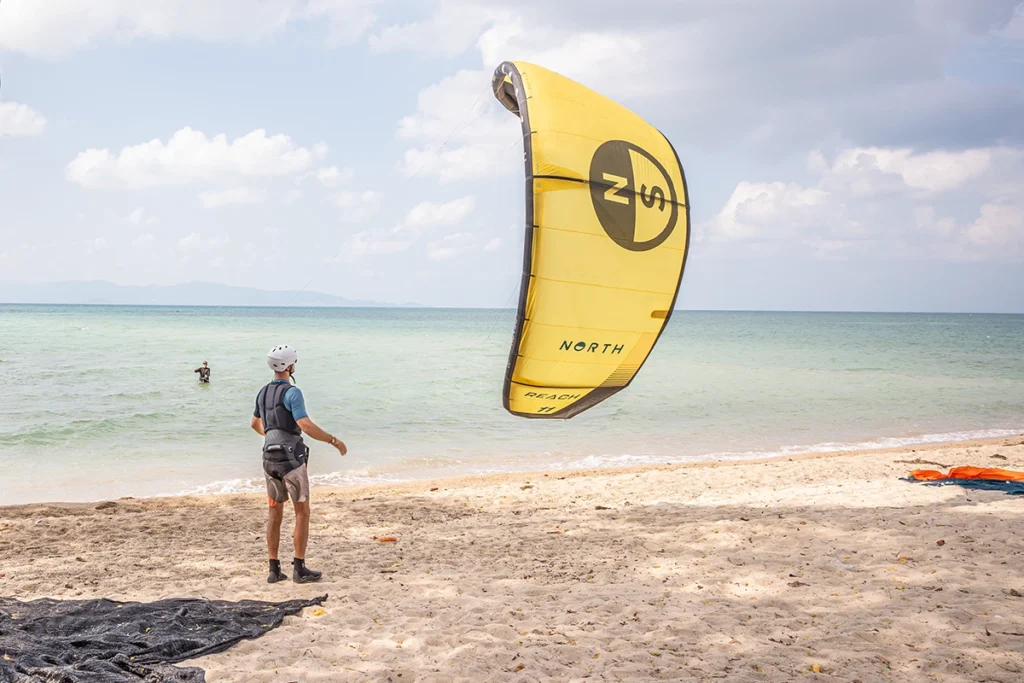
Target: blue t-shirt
x=293 y=401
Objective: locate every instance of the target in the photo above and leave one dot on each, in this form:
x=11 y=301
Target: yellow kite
x=607 y=234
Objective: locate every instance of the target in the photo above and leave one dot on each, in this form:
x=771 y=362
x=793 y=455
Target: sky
x=838 y=155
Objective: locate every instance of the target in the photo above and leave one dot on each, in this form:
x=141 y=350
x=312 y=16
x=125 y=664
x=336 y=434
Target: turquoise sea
x=101 y=402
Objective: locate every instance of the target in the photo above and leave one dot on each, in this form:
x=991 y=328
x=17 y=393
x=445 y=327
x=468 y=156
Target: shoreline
x=480 y=480
x=758 y=570
x=473 y=480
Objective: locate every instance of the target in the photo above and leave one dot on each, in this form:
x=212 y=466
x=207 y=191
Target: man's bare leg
x=275 y=515
x=302 y=574
x=301 y=536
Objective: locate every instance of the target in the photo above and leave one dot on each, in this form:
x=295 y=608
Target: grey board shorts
x=295 y=484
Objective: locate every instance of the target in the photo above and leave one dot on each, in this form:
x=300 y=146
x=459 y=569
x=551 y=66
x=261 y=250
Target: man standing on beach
x=281 y=418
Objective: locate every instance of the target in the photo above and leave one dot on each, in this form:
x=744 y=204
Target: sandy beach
x=824 y=566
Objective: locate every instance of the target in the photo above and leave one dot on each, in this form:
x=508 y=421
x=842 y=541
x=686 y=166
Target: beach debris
x=527 y=486
x=519 y=667
x=319 y=612
x=434 y=489
x=1013 y=591
x=602 y=507
x=919 y=461
x=940 y=543
x=816 y=668
x=797 y=584
x=107 y=505
x=385 y=539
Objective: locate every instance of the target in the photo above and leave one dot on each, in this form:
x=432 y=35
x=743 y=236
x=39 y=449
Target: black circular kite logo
x=633 y=195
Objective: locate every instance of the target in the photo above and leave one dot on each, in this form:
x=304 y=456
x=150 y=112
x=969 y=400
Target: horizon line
x=384 y=306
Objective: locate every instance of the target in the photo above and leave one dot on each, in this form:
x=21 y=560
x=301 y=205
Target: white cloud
x=774 y=210
x=1015 y=29
x=139 y=217
x=455 y=100
x=450 y=31
x=613 y=57
x=143 y=241
x=493 y=245
x=55 y=28
x=462 y=131
x=213 y=199
x=431 y=214
x=420 y=219
x=195 y=241
x=931 y=171
x=826 y=249
x=887 y=203
x=467 y=162
x=367 y=243
x=612 y=60
x=135 y=217
x=20 y=120
x=764 y=81
x=359 y=206
x=450 y=246
x=332 y=176
x=999 y=225
x=927 y=222
x=190 y=156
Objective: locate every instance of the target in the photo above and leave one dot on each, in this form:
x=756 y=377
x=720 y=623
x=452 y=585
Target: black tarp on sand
x=104 y=641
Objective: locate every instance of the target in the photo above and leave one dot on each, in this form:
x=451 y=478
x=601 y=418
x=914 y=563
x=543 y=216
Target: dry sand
x=802 y=568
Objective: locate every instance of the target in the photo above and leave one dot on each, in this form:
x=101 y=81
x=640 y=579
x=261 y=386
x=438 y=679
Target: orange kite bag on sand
x=968 y=472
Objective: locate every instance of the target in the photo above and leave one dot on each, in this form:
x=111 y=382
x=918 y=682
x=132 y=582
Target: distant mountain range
x=187 y=294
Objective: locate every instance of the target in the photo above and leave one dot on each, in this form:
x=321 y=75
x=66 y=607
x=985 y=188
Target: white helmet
x=280 y=357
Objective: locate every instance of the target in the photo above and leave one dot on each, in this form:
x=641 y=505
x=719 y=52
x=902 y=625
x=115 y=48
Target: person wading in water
x=204 y=373
x=281 y=418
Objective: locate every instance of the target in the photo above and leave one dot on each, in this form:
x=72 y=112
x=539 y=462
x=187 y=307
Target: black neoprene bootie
x=303 y=574
x=275 y=572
